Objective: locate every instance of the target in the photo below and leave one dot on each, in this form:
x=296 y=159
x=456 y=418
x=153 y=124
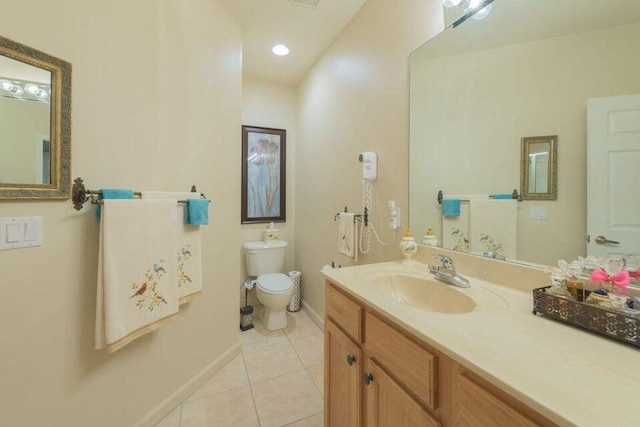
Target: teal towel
x=112 y=193
x=503 y=196
x=451 y=207
x=196 y=212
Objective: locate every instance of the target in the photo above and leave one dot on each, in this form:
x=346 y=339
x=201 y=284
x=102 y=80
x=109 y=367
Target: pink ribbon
x=621 y=279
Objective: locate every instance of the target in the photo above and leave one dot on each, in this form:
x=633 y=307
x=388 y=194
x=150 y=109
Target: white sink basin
x=425 y=294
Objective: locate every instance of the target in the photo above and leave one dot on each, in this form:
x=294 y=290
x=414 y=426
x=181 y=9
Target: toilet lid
x=274 y=283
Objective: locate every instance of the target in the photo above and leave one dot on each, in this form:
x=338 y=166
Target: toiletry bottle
x=430 y=239
x=408 y=245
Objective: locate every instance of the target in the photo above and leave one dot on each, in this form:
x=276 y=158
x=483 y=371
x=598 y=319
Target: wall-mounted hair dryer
x=369 y=161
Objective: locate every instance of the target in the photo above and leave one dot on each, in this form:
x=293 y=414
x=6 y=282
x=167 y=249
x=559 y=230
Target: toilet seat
x=274 y=283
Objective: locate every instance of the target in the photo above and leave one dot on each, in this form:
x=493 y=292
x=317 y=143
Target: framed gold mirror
x=539 y=168
x=35 y=123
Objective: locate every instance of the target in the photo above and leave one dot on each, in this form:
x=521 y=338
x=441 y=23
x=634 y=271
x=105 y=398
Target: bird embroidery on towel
x=147 y=294
x=345 y=243
x=183 y=256
x=140 y=291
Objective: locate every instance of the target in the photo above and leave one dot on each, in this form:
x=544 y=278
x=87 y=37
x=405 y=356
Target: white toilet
x=274 y=289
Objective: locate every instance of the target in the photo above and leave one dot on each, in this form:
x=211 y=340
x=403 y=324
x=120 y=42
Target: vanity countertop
x=571 y=376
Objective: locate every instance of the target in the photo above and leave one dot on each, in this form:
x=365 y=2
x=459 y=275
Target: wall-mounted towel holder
x=364 y=217
x=514 y=195
x=80 y=195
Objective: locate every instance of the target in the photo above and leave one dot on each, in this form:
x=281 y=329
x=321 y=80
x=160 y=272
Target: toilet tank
x=264 y=258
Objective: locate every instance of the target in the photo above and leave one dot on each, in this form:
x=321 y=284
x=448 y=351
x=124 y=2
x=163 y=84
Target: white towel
x=455 y=230
x=188 y=249
x=348 y=235
x=493 y=223
x=136 y=270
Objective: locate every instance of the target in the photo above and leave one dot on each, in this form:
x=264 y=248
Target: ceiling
x=305 y=30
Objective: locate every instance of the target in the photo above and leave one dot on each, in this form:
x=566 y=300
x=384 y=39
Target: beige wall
x=22 y=124
x=156 y=105
x=272 y=105
x=488 y=100
x=355 y=99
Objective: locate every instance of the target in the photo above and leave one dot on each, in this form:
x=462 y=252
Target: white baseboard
x=178 y=396
x=317 y=319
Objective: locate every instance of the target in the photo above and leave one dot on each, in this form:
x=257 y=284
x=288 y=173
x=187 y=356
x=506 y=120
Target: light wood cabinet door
x=387 y=404
x=476 y=406
x=342 y=379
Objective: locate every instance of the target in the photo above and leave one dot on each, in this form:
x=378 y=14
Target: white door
x=613 y=175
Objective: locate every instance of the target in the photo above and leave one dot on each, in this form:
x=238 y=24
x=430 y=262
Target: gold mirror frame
x=60 y=124
x=552 y=170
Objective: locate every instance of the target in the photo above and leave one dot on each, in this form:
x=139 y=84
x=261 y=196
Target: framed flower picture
x=263 y=175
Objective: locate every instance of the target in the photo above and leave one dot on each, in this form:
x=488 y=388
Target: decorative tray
x=597 y=319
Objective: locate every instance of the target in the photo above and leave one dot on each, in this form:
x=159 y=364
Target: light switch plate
x=20 y=232
x=538 y=212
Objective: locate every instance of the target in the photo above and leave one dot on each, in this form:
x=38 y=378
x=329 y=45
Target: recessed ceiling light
x=280 y=50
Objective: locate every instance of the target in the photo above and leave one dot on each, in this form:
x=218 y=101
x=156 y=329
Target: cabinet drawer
x=412 y=365
x=345 y=312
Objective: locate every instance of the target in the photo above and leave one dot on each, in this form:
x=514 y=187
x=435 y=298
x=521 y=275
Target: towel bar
x=80 y=195
x=357 y=217
x=514 y=195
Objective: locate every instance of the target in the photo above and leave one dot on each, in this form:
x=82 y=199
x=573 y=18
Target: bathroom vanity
x=403 y=349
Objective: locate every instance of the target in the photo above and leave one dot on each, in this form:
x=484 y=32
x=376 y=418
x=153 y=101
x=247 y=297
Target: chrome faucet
x=493 y=255
x=446 y=273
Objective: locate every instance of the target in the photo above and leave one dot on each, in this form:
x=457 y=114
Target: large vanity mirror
x=35 y=123
x=532 y=67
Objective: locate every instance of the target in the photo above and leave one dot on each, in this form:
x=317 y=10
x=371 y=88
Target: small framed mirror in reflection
x=539 y=168
x=35 y=123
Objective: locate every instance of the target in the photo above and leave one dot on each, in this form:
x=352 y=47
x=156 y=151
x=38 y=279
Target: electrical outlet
x=394 y=215
x=396 y=220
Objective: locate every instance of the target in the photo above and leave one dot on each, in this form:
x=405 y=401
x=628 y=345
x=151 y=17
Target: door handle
x=351 y=359
x=601 y=240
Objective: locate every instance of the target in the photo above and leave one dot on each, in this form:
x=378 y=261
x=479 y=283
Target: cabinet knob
x=367 y=378
x=351 y=359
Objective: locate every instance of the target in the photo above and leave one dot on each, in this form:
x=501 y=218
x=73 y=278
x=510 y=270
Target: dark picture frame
x=263 y=175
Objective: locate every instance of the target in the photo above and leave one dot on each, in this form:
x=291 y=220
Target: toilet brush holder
x=246 y=312
x=246 y=318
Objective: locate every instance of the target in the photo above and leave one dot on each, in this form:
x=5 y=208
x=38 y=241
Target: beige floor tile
x=232 y=376
x=271 y=361
x=316 y=420
x=172 y=419
x=317 y=375
x=286 y=399
x=231 y=408
x=310 y=349
x=259 y=336
x=300 y=326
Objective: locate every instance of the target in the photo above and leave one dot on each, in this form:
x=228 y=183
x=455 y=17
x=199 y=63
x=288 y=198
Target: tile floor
x=276 y=381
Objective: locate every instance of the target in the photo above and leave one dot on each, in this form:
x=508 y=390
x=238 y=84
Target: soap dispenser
x=271 y=233
x=408 y=245
x=430 y=239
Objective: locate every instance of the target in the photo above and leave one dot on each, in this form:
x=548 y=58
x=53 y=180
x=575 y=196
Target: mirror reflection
x=35 y=123
x=532 y=67
x=25 y=147
x=538 y=174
